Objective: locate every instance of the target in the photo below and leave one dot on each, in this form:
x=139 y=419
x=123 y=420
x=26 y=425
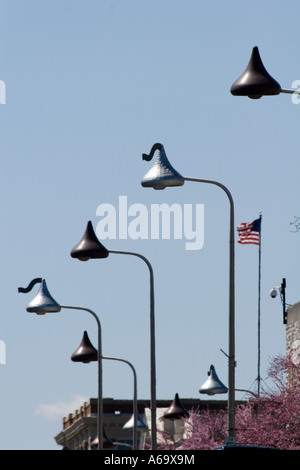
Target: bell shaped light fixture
x=141 y=426
x=162 y=174
x=43 y=302
x=176 y=410
x=213 y=384
x=255 y=81
x=107 y=443
x=85 y=352
x=89 y=246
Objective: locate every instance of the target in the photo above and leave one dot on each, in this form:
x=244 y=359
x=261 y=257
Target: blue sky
x=90 y=86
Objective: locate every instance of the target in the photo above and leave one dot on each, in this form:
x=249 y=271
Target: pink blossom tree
x=272 y=419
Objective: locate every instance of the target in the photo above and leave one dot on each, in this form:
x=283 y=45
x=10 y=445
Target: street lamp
x=213 y=384
x=141 y=426
x=174 y=414
x=163 y=175
x=43 y=303
x=90 y=247
x=256 y=82
x=87 y=353
x=176 y=410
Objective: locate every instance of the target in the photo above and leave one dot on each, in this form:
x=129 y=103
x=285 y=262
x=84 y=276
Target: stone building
x=293 y=331
x=80 y=428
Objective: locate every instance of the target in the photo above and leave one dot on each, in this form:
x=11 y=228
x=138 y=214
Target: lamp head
x=141 y=426
x=107 y=443
x=176 y=410
x=162 y=174
x=273 y=293
x=255 y=81
x=85 y=351
x=43 y=302
x=89 y=246
x=213 y=384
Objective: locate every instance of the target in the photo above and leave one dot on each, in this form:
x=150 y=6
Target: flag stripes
x=249 y=232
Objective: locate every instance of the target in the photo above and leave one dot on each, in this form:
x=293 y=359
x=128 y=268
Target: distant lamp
x=85 y=352
x=273 y=293
x=141 y=426
x=176 y=410
x=107 y=443
x=213 y=384
x=43 y=302
x=162 y=174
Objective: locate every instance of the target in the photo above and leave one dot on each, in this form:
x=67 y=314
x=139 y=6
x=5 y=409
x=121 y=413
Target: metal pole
x=290 y=92
x=258 y=320
x=152 y=345
x=231 y=332
x=100 y=376
x=135 y=407
x=282 y=293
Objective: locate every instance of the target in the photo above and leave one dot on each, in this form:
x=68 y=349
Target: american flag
x=249 y=232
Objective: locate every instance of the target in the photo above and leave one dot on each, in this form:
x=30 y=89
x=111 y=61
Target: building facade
x=293 y=332
x=80 y=428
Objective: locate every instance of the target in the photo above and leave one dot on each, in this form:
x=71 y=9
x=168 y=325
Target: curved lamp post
x=256 y=82
x=135 y=407
x=163 y=175
x=90 y=247
x=87 y=353
x=43 y=303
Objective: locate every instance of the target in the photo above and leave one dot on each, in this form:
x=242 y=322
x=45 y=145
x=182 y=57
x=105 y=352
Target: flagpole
x=258 y=320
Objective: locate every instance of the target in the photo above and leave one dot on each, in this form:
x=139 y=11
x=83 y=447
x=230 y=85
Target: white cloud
x=60 y=409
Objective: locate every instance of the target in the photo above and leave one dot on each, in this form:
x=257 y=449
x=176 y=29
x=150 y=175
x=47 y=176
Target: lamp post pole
x=135 y=406
x=231 y=324
x=87 y=353
x=152 y=345
x=163 y=175
x=100 y=375
x=90 y=247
